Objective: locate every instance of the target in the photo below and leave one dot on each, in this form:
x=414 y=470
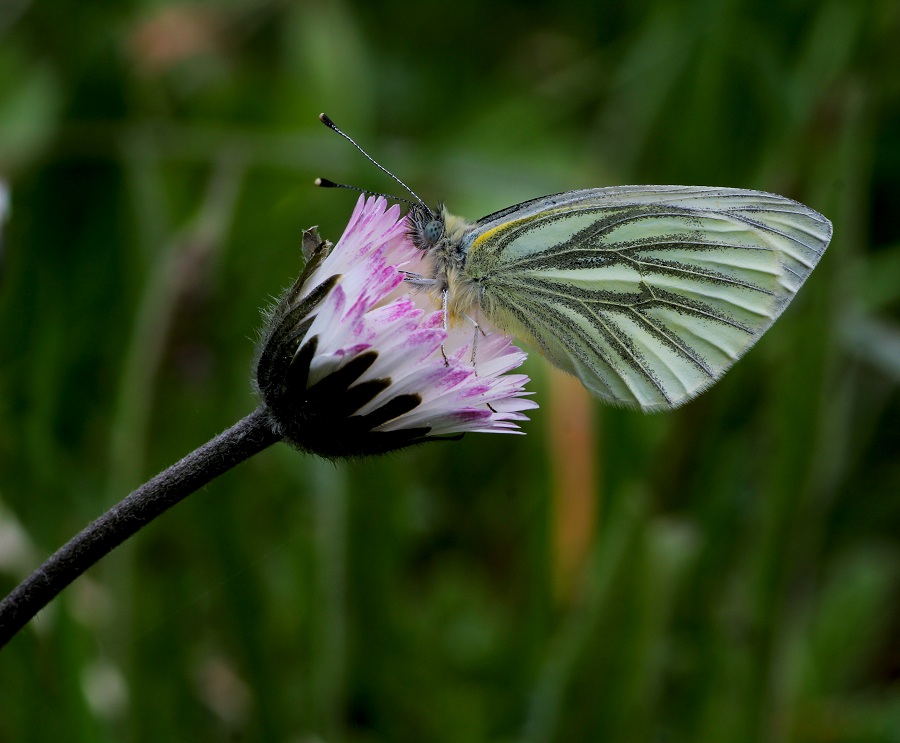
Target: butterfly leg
x=478 y=329
x=444 y=297
x=423 y=282
x=418 y=280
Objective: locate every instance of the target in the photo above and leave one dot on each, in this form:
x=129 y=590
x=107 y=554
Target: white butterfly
x=648 y=294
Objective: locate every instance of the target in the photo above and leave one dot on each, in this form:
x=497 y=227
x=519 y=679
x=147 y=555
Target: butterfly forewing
x=647 y=293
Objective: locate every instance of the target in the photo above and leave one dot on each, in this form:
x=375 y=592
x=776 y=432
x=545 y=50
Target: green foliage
x=741 y=585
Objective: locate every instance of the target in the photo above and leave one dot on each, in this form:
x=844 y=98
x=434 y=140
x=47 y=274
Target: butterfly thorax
x=441 y=237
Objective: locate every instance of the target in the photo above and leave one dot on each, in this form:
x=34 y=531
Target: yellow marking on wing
x=485 y=236
x=492 y=233
x=489 y=235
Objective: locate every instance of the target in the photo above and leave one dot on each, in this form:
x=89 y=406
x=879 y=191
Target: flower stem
x=245 y=438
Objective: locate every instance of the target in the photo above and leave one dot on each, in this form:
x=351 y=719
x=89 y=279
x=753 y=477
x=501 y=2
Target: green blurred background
x=726 y=572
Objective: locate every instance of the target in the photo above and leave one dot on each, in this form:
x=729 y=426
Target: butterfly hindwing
x=647 y=293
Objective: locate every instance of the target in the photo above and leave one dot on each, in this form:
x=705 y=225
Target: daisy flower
x=354 y=361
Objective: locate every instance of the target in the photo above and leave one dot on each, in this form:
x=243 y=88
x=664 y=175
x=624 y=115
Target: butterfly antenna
x=331 y=125
x=325 y=183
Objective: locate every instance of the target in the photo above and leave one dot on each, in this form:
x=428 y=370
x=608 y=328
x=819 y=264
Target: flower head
x=352 y=362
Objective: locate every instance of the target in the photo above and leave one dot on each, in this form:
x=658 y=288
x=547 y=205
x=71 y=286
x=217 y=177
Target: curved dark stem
x=245 y=438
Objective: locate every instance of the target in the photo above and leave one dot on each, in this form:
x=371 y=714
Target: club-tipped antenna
x=331 y=125
x=326 y=183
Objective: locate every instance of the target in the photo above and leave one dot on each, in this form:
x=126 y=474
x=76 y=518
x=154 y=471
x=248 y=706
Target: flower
x=354 y=362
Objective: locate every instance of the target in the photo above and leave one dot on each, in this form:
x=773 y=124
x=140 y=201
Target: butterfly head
x=440 y=233
x=426 y=227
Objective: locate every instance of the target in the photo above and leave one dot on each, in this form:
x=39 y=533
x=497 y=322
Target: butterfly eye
x=433 y=231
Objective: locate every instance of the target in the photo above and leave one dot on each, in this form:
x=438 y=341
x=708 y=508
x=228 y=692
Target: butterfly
x=647 y=294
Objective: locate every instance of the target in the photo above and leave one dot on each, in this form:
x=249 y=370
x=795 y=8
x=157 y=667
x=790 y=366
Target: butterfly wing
x=648 y=294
